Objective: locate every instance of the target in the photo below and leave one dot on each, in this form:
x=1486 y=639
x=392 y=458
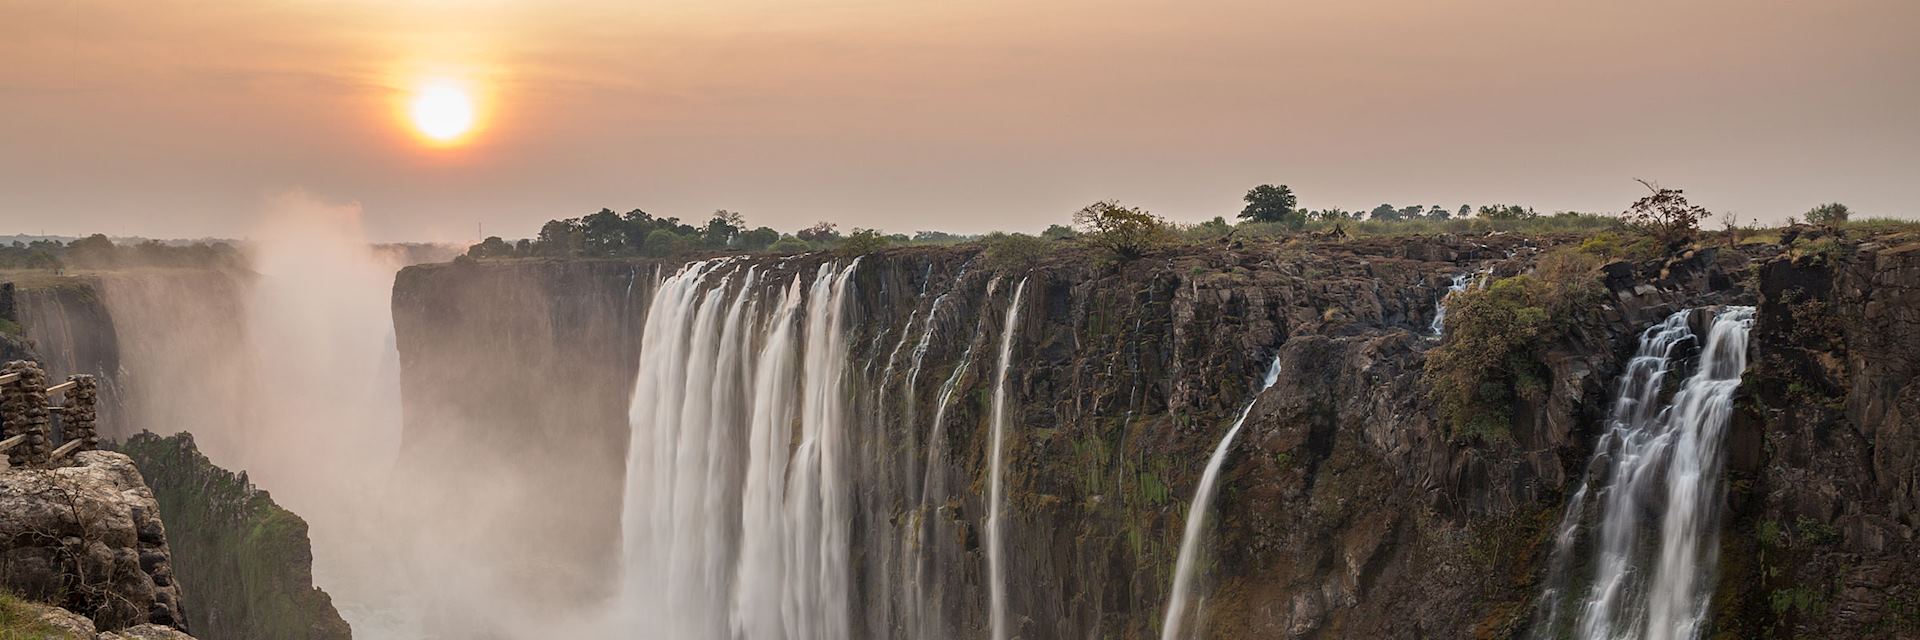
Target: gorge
x=927 y=442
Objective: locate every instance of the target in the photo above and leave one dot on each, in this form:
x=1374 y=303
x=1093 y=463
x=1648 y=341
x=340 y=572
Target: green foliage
x=99 y=252
x=245 y=559
x=1802 y=600
x=1558 y=223
x=821 y=235
x=1768 y=533
x=492 y=247
x=1832 y=214
x=1125 y=232
x=936 y=237
x=20 y=622
x=1507 y=212
x=788 y=245
x=1268 y=203
x=1013 y=252
x=1495 y=338
x=1059 y=232
x=758 y=239
x=1213 y=229
x=1873 y=226
x=1630 y=246
x=1815 y=532
x=9 y=327
x=664 y=242
x=862 y=242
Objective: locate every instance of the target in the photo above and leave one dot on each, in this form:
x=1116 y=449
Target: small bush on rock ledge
x=1495 y=339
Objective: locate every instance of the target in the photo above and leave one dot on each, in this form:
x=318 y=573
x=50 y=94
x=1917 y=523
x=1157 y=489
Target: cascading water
x=1184 y=568
x=1658 y=470
x=738 y=501
x=1439 y=324
x=996 y=547
x=928 y=551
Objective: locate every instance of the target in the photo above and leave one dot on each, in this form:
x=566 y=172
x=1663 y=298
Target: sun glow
x=442 y=110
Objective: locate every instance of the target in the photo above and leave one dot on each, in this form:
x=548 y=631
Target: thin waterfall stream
x=996 y=547
x=1184 y=568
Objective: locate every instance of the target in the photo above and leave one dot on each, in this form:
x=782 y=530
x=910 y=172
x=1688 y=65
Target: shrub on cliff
x=1666 y=215
x=1495 y=339
x=788 y=245
x=1830 y=215
x=1126 y=232
x=1013 y=252
x=862 y=242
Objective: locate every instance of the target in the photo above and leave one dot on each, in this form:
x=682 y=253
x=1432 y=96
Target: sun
x=442 y=110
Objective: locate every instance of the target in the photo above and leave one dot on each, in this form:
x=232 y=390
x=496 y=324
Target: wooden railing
x=27 y=414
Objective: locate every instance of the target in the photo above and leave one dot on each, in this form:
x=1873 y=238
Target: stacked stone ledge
x=23 y=410
x=78 y=418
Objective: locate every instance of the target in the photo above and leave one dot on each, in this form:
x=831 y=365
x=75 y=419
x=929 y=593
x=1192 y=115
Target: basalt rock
x=88 y=537
x=1347 y=509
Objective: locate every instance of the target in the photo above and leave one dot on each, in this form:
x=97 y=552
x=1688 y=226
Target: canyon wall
x=1348 y=509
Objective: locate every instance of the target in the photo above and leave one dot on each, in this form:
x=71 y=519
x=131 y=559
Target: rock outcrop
x=22 y=619
x=246 y=562
x=87 y=536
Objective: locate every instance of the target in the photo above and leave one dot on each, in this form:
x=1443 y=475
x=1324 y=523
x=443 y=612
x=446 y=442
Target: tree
x=935 y=237
x=723 y=229
x=603 y=233
x=664 y=242
x=862 y=242
x=1507 y=212
x=1465 y=212
x=1127 y=232
x=1268 y=203
x=1437 y=212
x=1831 y=215
x=1335 y=214
x=822 y=232
x=1665 y=214
x=1013 y=253
x=1059 y=232
x=788 y=245
x=492 y=247
x=1385 y=212
x=559 y=238
x=759 y=238
x=639 y=224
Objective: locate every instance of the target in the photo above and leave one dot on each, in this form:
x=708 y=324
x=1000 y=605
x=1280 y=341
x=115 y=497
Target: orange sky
x=177 y=118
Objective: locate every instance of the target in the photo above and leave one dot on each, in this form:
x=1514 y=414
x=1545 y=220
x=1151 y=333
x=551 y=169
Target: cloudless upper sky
x=177 y=118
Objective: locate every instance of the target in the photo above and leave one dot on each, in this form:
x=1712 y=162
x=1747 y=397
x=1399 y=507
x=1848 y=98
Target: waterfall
x=927 y=550
x=1657 y=470
x=996 y=547
x=738 y=503
x=1183 y=568
x=1439 y=324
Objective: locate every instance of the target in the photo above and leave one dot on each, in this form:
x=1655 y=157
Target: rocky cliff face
x=1826 y=478
x=1347 y=508
x=145 y=334
x=87 y=536
x=246 y=562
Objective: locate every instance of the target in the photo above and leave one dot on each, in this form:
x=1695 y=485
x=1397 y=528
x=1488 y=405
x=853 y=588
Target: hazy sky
x=173 y=118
